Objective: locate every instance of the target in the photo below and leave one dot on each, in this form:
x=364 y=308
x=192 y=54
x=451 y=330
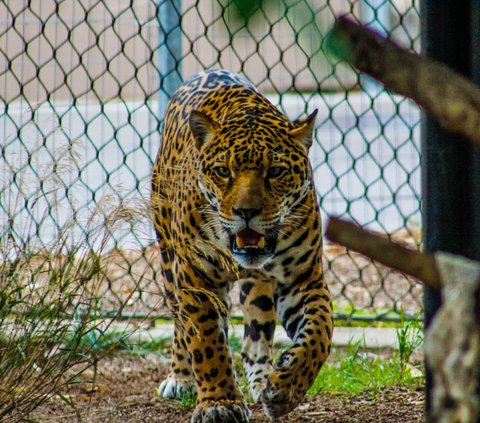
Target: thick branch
x=419 y=265
x=448 y=97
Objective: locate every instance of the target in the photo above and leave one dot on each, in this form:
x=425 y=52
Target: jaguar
x=234 y=202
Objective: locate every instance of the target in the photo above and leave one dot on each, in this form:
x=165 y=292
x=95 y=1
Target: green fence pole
x=169 y=51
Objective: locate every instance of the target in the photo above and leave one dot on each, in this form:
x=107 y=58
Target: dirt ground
x=124 y=391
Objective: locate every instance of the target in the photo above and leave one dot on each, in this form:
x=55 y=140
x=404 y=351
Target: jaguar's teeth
x=240 y=242
x=261 y=243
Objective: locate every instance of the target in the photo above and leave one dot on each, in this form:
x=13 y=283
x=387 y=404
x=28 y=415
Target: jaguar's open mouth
x=250 y=242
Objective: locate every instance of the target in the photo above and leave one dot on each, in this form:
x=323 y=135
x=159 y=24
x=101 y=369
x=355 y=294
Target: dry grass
x=50 y=293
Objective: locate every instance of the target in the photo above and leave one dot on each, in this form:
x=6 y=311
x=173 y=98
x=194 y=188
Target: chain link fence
x=83 y=86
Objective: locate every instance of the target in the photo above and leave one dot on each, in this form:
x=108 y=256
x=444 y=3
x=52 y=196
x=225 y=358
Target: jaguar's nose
x=247 y=214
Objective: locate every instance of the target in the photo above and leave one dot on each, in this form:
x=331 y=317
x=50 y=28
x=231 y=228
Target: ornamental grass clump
x=51 y=277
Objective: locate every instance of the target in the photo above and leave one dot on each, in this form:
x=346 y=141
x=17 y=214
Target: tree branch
x=419 y=265
x=447 y=96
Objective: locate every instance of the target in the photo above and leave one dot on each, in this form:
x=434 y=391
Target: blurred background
x=83 y=87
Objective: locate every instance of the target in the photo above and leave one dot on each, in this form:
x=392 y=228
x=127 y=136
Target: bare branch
x=419 y=265
x=444 y=94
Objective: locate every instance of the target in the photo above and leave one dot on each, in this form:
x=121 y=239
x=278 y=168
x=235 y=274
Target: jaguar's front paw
x=176 y=388
x=281 y=395
x=221 y=412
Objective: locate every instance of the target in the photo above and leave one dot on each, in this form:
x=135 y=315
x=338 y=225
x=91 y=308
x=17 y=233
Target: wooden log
x=447 y=96
x=419 y=265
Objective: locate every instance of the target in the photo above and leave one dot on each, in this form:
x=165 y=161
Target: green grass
x=410 y=338
x=356 y=369
x=152 y=346
x=348 y=316
x=96 y=340
x=187 y=401
x=234 y=342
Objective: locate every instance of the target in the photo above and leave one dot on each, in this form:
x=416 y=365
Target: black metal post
x=475 y=77
x=451 y=165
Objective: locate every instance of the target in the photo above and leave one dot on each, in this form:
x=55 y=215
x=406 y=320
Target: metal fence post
x=169 y=51
x=475 y=76
x=450 y=174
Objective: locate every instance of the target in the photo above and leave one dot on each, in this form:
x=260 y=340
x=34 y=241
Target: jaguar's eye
x=222 y=171
x=275 y=171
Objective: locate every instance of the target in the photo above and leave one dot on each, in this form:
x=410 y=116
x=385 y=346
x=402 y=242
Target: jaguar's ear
x=304 y=127
x=202 y=128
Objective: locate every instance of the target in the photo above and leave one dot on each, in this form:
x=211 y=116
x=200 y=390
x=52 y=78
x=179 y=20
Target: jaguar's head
x=253 y=171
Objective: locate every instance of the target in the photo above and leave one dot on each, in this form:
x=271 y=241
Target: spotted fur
x=234 y=201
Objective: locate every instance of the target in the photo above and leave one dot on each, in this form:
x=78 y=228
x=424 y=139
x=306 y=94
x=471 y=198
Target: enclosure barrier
x=450 y=95
x=83 y=89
